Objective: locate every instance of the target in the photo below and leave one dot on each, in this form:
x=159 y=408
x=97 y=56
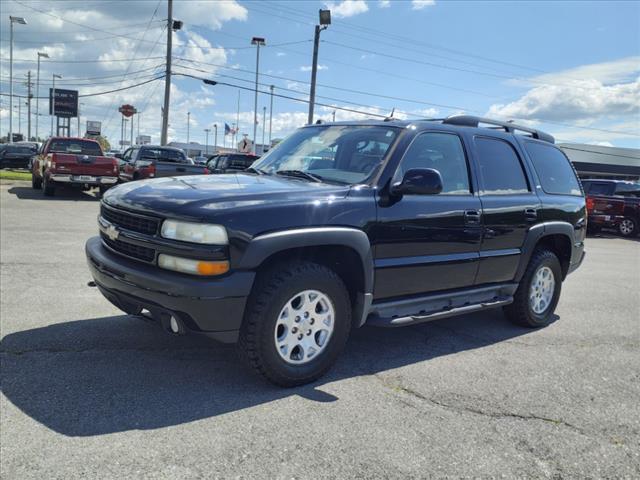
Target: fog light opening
x=175 y=327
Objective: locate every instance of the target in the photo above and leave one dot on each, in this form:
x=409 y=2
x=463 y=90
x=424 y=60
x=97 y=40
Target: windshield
x=336 y=153
x=80 y=147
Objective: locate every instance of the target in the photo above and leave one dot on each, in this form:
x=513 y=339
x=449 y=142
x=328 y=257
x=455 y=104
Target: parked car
x=613 y=204
x=230 y=162
x=74 y=162
x=151 y=161
x=16 y=155
x=200 y=160
x=386 y=223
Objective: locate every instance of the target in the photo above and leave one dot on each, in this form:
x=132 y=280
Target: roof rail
x=473 y=121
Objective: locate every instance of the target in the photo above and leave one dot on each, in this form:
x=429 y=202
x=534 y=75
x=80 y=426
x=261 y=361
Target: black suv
x=385 y=223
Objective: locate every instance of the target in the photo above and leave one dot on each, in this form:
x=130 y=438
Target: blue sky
x=571 y=68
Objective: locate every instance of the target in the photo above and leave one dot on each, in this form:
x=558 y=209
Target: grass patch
x=14 y=175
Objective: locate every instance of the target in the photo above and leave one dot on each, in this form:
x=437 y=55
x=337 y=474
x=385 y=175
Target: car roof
x=163 y=147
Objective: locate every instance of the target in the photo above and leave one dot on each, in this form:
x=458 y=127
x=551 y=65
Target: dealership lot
x=90 y=392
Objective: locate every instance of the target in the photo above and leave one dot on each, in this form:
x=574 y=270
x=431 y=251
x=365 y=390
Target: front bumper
x=82 y=179
x=214 y=307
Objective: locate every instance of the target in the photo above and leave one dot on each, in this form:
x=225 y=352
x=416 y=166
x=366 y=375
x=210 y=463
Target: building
x=594 y=161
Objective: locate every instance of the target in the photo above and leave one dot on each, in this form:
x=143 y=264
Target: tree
x=104 y=143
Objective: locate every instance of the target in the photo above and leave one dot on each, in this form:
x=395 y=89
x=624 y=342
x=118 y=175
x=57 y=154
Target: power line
x=84 y=61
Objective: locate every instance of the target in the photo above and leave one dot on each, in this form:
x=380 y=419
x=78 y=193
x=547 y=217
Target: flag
x=227 y=129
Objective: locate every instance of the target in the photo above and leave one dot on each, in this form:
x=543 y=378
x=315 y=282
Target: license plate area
x=85 y=178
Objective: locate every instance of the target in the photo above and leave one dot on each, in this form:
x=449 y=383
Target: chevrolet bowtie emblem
x=112 y=232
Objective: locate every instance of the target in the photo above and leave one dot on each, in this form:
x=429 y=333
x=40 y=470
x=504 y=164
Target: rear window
x=163 y=155
x=553 y=167
x=600 y=189
x=500 y=168
x=21 y=149
x=79 y=147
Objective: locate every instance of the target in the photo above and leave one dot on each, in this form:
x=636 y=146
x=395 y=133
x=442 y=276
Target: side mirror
x=118 y=155
x=419 y=181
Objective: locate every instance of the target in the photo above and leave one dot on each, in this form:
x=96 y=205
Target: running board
x=450 y=312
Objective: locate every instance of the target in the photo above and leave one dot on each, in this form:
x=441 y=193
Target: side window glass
x=442 y=152
x=628 y=189
x=501 y=172
x=553 y=168
x=127 y=155
x=599 y=189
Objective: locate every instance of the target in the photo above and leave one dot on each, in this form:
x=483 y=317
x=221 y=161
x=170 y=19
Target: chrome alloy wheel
x=626 y=226
x=304 y=326
x=542 y=289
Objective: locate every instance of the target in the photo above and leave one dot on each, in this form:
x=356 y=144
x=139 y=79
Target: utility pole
x=40 y=55
x=167 y=77
x=206 y=143
x=325 y=21
x=264 y=124
x=234 y=137
x=215 y=137
x=334 y=116
x=270 y=114
x=29 y=97
x=257 y=41
x=19 y=117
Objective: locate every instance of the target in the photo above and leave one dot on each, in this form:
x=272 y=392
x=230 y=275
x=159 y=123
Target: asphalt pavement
x=88 y=392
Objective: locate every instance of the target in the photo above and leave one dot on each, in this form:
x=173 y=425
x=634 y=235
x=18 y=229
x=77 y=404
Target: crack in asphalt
x=477 y=411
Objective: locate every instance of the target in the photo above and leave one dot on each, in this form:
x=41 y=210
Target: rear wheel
x=48 y=188
x=36 y=182
x=537 y=296
x=628 y=227
x=297 y=322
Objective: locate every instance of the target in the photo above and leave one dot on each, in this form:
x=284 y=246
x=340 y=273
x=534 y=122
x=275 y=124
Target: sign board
x=143 y=139
x=127 y=110
x=245 y=145
x=65 y=103
x=93 y=127
x=124 y=142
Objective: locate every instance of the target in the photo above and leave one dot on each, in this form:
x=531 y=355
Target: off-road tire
x=520 y=311
x=272 y=290
x=48 y=189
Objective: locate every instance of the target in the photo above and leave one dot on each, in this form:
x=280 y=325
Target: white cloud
x=616 y=71
x=307 y=68
x=602 y=144
x=280 y=54
x=384 y=3
x=420 y=4
x=348 y=8
x=209 y=13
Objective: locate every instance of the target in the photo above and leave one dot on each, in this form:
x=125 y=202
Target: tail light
x=115 y=166
x=590 y=204
x=206 y=171
x=152 y=170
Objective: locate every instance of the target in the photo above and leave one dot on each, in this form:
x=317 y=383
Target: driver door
x=428 y=243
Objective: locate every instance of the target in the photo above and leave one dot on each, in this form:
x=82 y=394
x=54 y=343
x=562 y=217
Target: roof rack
x=473 y=121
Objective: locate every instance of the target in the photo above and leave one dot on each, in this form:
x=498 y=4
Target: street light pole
x=21 y=21
x=215 y=137
x=40 y=55
x=264 y=124
x=53 y=102
x=206 y=148
x=171 y=27
x=188 y=123
x=257 y=41
x=270 y=114
x=325 y=21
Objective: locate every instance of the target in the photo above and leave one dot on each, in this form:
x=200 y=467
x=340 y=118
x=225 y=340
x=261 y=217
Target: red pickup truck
x=613 y=204
x=76 y=162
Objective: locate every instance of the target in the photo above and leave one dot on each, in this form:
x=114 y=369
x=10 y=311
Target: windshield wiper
x=300 y=174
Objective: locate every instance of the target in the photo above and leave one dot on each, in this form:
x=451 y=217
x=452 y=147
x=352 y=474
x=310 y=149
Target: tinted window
x=500 y=168
x=74 y=146
x=163 y=155
x=442 y=152
x=628 y=189
x=600 y=189
x=553 y=168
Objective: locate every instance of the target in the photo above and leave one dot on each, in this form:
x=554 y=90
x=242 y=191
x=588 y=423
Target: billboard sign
x=65 y=103
x=93 y=127
x=127 y=110
x=143 y=139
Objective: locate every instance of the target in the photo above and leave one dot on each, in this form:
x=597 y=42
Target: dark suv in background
x=385 y=223
x=151 y=161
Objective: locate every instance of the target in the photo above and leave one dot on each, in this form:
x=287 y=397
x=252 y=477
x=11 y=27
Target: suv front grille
x=130 y=250
x=129 y=221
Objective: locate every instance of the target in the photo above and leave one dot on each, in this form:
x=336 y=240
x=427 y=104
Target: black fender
x=535 y=234
x=262 y=247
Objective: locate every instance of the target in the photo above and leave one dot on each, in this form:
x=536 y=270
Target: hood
x=200 y=196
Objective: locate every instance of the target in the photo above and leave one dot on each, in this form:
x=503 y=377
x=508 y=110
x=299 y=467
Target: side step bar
x=447 y=312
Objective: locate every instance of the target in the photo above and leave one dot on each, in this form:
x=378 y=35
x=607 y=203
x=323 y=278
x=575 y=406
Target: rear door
x=509 y=206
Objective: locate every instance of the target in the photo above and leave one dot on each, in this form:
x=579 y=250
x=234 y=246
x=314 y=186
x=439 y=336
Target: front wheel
x=537 y=296
x=297 y=322
x=628 y=227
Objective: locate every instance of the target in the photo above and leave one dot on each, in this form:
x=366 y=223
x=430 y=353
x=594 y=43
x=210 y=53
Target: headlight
x=193 y=267
x=195 y=232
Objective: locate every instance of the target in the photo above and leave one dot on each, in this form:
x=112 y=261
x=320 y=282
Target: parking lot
x=89 y=392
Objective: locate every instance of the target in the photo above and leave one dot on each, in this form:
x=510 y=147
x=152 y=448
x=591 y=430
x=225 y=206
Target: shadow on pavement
x=113 y=374
x=612 y=235
x=62 y=193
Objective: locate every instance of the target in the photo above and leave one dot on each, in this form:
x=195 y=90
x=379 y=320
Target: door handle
x=472 y=216
x=531 y=214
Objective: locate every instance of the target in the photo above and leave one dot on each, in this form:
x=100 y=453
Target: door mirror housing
x=419 y=181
